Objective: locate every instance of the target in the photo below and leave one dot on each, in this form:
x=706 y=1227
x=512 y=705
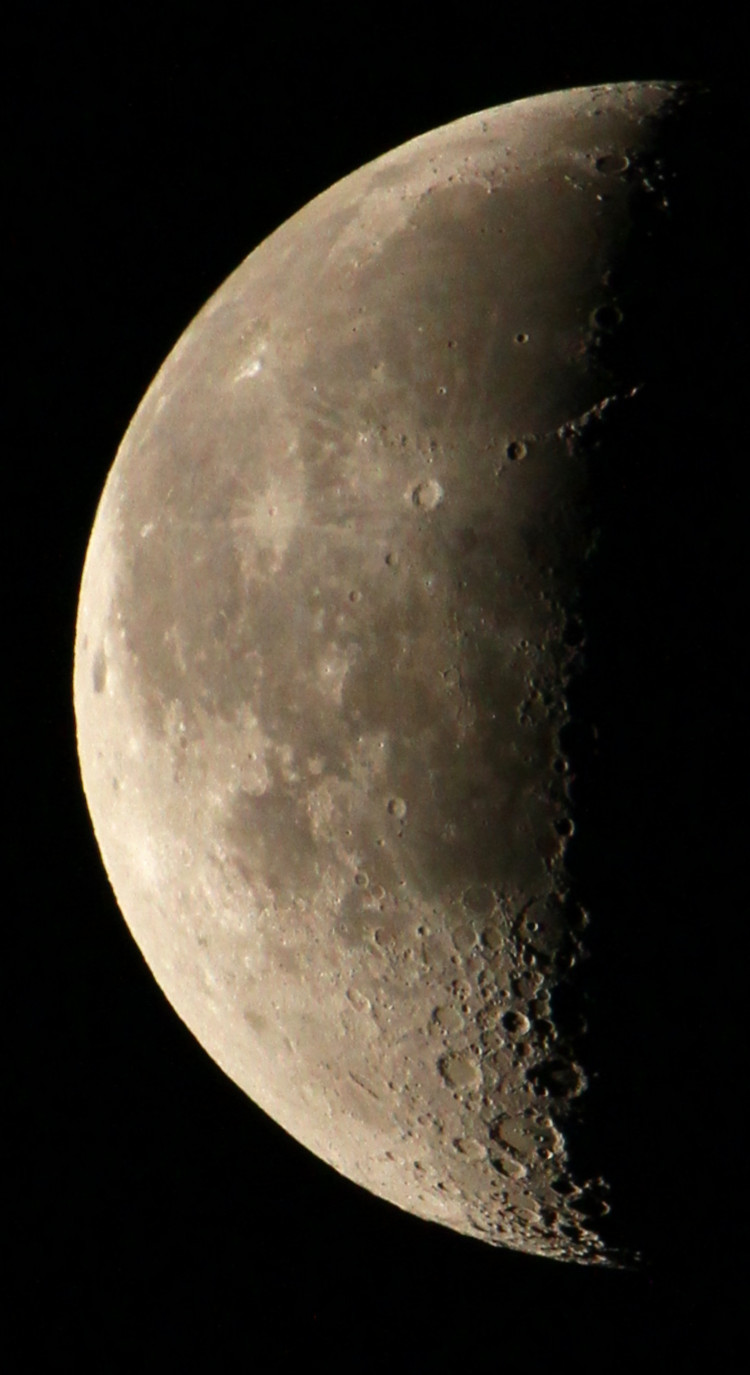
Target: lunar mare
x=326 y=636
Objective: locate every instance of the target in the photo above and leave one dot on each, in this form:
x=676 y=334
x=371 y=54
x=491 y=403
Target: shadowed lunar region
x=389 y=687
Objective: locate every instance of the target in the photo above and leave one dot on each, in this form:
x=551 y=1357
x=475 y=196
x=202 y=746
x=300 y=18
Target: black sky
x=155 y=1216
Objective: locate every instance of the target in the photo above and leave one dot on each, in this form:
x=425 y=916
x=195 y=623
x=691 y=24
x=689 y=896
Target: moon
x=332 y=641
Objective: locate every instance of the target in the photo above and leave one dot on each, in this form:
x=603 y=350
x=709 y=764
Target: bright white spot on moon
x=250 y=369
x=252 y=366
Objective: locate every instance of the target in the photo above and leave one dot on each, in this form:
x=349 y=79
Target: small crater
x=563 y=1187
x=559 y=1078
x=522 y=338
x=612 y=163
x=428 y=495
x=397 y=807
x=527 y=984
x=479 y=899
x=355 y=596
x=465 y=939
x=361 y=879
x=473 y=1150
x=448 y=1018
x=493 y=937
x=460 y=1071
x=606 y=317
x=505 y=1164
x=516 y=450
x=392 y=559
x=358 y=1000
x=516 y=1023
x=528 y=1215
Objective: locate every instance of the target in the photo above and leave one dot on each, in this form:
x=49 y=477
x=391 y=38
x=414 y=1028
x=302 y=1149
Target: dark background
x=154 y=1216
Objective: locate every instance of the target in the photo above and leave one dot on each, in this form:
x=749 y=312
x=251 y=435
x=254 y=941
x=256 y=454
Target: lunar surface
x=335 y=612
